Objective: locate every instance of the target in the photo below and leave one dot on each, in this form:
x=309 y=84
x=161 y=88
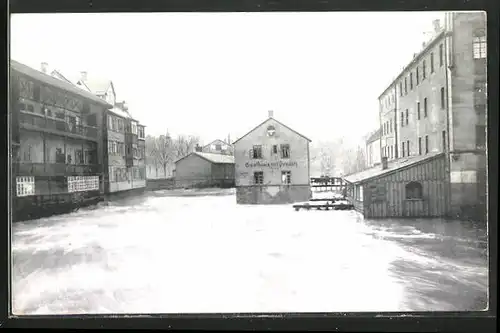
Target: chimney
x=437 y=25
x=271 y=113
x=83 y=76
x=44 y=66
x=384 y=163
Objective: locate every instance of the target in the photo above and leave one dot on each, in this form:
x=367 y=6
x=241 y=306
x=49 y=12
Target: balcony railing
x=54 y=169
x=57 y=125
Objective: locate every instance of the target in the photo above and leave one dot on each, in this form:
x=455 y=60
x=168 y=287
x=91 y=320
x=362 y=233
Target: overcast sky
x=214 y=74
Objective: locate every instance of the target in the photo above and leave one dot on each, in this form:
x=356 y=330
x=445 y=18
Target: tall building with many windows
x=57 y=144
x=437 y=104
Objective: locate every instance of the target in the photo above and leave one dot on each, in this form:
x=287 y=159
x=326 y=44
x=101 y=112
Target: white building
x=272 y=165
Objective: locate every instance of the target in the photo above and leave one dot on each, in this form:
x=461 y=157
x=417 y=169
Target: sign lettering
x=272 y=165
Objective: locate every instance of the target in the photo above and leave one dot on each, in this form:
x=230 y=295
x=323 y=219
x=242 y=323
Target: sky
x=218 y=74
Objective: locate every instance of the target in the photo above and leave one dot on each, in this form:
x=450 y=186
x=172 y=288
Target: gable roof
x=98 y=86
x=48 y=79
x=375 y=136
x=57 y=74
x=262 y=123
x=392 y=166
x=212 y=158
x=215 y=141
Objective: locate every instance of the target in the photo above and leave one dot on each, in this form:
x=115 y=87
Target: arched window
x=413 y=190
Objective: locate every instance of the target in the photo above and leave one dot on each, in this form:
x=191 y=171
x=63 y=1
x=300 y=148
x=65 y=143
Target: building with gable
x=272 y=165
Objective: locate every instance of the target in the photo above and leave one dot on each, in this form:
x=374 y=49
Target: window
x=403 y=149
x=480 y=136
x=258 y=177
x=432 y=62
x=407 y=117
x=418 y=110
x=286 y=177
x=390 y=125
x=285 y=151
x=275 y=149
x=79 y=156
x=392 y=152
x=425 y=107
x=441 y=55
x=218 y=147
x=406 y=87
x=443 y=103
x=27 y=153
x=426 y=144
x=411 y=81
x=423 y=70
x=443 y=139
x=60 y=156
x=383 y=129
x=110 y=122
x=30 y=108
x=417 y=76
x=395 y=150
x=420 y=146
x=402 y=119
x=408 y=147
x=257 y=152
x=479 y=45
x=401 y=88
x=413 y=191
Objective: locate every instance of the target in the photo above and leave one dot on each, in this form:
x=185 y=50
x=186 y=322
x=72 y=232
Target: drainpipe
x=448 y=64
x=396 y=122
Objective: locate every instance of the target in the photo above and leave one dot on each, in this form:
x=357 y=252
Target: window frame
x=414 y=191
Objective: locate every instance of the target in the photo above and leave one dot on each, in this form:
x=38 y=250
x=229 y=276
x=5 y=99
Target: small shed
x=200 y=169
x=407 y=187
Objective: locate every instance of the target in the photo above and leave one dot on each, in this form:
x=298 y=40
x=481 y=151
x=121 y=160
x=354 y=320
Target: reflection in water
x=164 y=253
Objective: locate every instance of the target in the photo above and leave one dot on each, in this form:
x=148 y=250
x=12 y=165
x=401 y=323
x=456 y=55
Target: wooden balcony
x=54 y=169
x=35 y=122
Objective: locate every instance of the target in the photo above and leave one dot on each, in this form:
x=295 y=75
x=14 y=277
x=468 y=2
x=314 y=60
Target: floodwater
x=168 y=253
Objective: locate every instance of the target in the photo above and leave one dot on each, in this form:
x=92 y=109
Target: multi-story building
x=57 y=145
x=272 y=165
x=437 y=104
x=125 y=140
x=373 y=149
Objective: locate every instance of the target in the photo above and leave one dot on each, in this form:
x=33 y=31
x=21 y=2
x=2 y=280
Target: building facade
x=373 y=148
x=125 y=151
x=272 y=165
x=200 y=169
x=124 y=137
x=438 y=105
x=57 y=145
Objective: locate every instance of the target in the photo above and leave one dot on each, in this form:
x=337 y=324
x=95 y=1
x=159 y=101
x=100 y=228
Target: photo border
x=383 y=321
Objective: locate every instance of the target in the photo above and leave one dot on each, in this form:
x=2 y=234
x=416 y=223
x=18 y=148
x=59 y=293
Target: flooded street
x=173 y=254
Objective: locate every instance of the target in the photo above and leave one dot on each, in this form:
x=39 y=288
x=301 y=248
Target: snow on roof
x=98 y=86
x=375 y=136
x=48 y=79
x=391 y=167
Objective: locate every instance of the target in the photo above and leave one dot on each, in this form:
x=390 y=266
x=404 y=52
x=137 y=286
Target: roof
x=392 y=166
x=212 y=158
x=97 y=86
x=215 y=141
x=121 y=113
x=419 y=56
x=375 y=136
x=262 y=123
x=48 y=79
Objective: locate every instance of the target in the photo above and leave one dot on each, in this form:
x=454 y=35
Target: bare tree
x=164 y=152
x=184 y=145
